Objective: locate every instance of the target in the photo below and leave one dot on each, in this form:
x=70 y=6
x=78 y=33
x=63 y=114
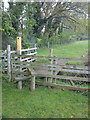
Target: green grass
x=73 y=50
x=45 y=102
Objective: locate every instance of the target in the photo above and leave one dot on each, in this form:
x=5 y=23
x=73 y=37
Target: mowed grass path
x=45 y=102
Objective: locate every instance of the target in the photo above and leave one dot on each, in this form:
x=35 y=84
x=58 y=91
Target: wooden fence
x=6 y=58
x=52 y=69
x=28 y=66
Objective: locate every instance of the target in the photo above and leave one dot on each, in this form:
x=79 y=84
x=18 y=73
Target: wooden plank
x=3 y=56
x=61 y=66
x=42 y=71
x=4 y=69
x=21 y=78
x=20 y=72
x=29 y=49
x=34 y=53
x=76 y=67
x=68 y=70
x=60 y=58
x=62 y=86
x=45 y=70
x=75 y=71
x=62 y=70
x=63 y=77
x=13 y=52
x=29 y=59
x=47 y=57
x=52 y=65
x=23 y=59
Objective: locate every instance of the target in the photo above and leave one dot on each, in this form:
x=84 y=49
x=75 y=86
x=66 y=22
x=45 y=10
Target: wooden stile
x=49 y=71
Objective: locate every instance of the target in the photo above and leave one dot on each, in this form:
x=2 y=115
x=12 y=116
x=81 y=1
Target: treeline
x=43 y=23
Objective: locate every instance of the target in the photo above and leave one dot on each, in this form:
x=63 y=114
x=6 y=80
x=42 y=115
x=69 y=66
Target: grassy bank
x=74 y=50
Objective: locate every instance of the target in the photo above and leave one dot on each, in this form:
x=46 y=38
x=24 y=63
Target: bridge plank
x=63 y=77
x=63 y=86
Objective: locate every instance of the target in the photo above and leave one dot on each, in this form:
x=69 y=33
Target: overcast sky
x=6 y=3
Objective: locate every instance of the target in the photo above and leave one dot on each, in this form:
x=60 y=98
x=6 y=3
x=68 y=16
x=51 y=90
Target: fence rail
x=59 y=58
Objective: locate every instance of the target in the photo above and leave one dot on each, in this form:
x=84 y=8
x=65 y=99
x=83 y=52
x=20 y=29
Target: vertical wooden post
x=54 y=72
x=19 y=44
x=19 y=52
x=51 y=55
x=9 y=62
x=51 y=62
x=19 y=85
x=46 y=79
x=32 y=87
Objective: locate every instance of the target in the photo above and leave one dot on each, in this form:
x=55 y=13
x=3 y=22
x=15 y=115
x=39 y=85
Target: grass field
x=45 y=102
x=73 y=50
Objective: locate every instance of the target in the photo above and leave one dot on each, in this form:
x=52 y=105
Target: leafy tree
x=46 y=21
x=8 y=30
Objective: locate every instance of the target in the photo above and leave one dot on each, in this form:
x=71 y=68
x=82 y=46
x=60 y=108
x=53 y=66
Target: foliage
x=47 y=21
x=28 y=20
x=8 y=31
x=62 y=38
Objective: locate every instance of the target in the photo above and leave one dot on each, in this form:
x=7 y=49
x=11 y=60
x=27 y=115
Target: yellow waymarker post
x=19 y=49
x=18 y=43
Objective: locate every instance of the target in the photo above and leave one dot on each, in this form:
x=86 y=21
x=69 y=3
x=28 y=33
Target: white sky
x=6 y=3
